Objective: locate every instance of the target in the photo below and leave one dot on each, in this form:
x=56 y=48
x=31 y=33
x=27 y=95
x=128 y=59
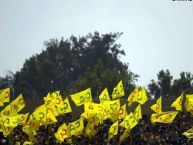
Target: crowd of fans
x=145 y=133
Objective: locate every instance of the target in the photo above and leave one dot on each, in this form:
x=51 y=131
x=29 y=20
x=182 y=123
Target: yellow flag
x=4 y=95
x=18 y=104
x=104 y=96
x=11 y=121
x=132 y=96
x=23 y=119
x=39 y=115
x=82 y=97
x=58 y=100
x=118 y=91
x=90 y=130
x=122 y=112
x=112 y=108
x=129 y=122
x=66 y=108
x=137 y=112
x=48 y=99
x=30 y=132
x=178 y=103
x=76 y=127
x=158 y=106
x=189 y=133
x=9 y=111
x=142 y=97
x=114 y=128
x=189 y=103
x=124 y=135
x=62 y=133
x=164 y=117
x=28 y=143
x=51 y=108
x=137 y=95
x=7 y=131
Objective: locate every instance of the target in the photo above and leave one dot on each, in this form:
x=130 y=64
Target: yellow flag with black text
x=39 y=114
x=118 y=91
x=113 y=130
x=66 y=108
x=129 y=121
x=82 y=97
x=104 y=96
x=137 y=112
x=76 y=127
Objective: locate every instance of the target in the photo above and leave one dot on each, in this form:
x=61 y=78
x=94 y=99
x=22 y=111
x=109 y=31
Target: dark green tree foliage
x=162 y=86
x=183 y=84
x=75 y=64
x=166 y=86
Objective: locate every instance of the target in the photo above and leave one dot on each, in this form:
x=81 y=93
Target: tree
x=74 y=64
x=183 y=84
x=162 y=86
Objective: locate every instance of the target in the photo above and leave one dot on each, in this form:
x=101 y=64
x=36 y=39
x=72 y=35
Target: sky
x=157 y=34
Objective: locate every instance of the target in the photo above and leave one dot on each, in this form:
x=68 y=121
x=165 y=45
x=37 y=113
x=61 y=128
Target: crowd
x=145 y=133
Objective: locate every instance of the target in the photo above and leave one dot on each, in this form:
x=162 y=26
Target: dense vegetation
x=92 y=61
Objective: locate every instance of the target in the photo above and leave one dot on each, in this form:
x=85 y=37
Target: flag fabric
x=66 y=108
x=90 y=130
x=122 y=112
x=189 y=133
x=28 y=143
x=11 y=121
x=7 y=131
x=23 y=119
x=137 y=95
x=76 y=127
x=113 y=130
x=104 y=96
x=4 y=96
x=129 y=122
x=19 y=103
x=164 y=117
x=158 y=106
x=189 y=103
x=9 y=111
x=39 y=115
x=132 y=96
x=30 y=132
x=118 y=91
x=62 y=133
x=111 y=108
x=82 y=97
x=137 y=112
x=177 y=104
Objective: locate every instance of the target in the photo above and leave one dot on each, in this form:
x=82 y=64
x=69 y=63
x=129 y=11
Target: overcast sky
x=158 y=34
